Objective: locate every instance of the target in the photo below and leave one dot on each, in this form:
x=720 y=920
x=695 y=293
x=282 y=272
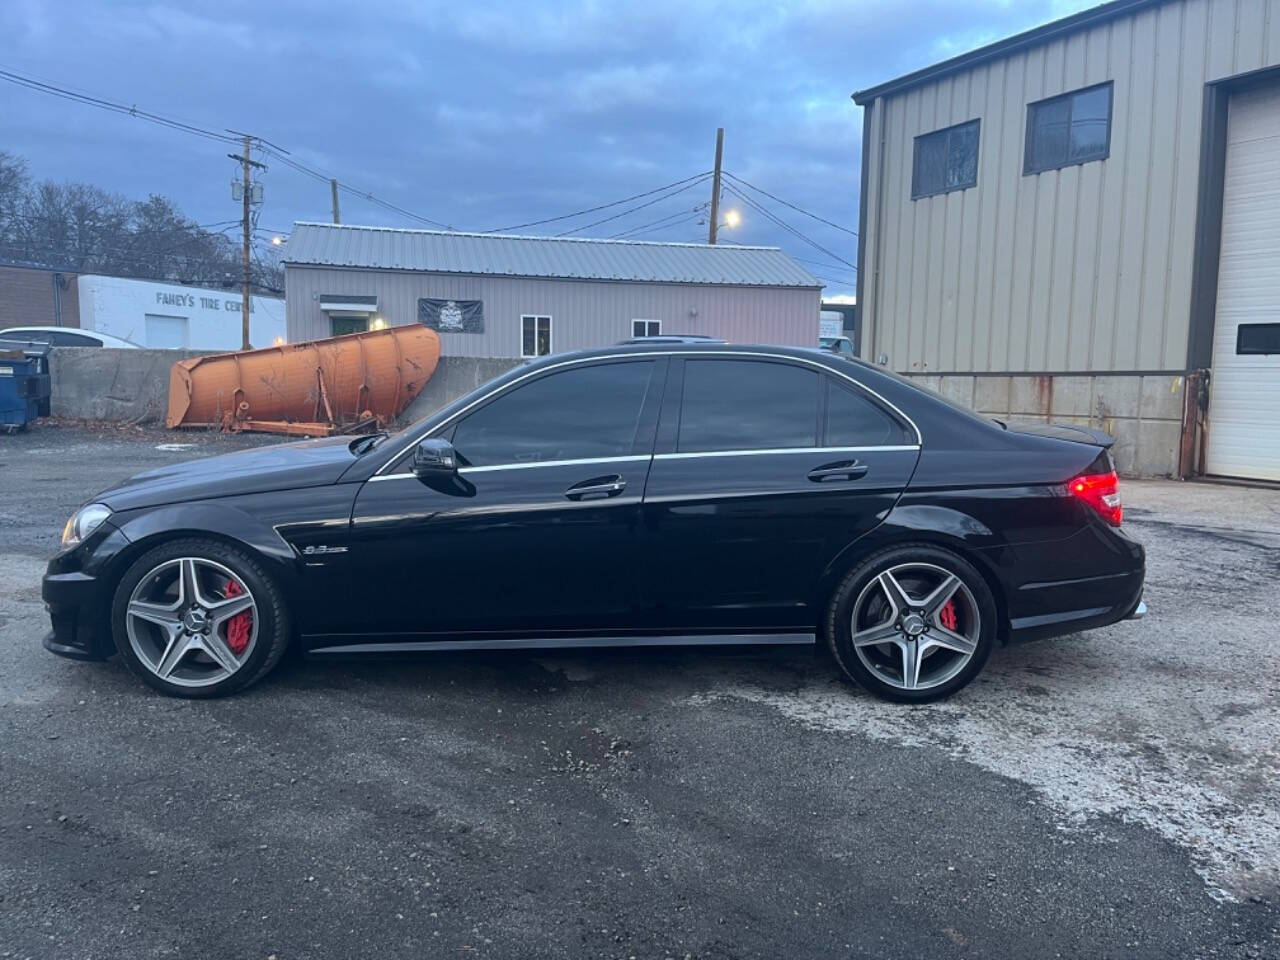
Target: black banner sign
x=452 y=316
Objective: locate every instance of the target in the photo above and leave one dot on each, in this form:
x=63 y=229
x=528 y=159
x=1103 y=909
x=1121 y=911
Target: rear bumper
x=1050 y=607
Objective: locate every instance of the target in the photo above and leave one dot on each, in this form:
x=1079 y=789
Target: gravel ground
x=1110 y=795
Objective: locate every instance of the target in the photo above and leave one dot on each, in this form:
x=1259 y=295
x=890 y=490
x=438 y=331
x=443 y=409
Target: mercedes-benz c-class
x=663 y=493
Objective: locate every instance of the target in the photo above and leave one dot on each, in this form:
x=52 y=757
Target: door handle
x=597 y=488
x=844 y=470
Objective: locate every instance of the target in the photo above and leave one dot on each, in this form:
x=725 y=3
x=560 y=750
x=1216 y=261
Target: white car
x=66 y=337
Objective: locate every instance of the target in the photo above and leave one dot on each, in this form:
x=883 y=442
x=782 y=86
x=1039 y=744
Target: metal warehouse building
x=507 y=296
x=1082 y=222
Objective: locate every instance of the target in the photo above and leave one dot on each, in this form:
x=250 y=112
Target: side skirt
x=561 y=643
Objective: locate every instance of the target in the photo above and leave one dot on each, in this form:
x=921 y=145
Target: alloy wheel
x=915 y=625
x=192 y=622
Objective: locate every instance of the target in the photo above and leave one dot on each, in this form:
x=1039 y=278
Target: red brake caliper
x=947 y=615
x=240 y=626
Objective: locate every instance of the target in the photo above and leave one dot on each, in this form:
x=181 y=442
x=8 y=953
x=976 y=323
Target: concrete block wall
x=90 y=383
x=455 y=377
x=1143 y=413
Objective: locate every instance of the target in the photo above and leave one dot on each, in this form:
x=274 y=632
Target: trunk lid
x=1065 y=431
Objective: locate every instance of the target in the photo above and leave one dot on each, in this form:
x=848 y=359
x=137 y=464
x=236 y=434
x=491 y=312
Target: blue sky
x=483 y=115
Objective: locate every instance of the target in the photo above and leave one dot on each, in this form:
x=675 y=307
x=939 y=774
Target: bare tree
x=13 y=187
x=88 y=229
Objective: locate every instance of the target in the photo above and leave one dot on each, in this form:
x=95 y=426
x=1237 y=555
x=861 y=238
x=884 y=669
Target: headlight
x=83 y=522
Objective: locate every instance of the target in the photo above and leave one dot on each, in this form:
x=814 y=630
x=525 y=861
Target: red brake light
x=1101 y=491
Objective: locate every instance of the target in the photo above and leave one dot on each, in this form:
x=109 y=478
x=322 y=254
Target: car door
x=765 y=470
x=540 y=534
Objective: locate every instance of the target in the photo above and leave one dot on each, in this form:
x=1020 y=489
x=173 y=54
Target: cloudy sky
x=485 y=115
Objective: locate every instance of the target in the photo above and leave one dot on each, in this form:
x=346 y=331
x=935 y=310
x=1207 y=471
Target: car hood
x=306 y=463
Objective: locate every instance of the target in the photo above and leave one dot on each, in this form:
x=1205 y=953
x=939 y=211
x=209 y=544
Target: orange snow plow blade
x=343 y=384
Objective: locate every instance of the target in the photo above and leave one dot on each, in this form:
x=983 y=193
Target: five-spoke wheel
x=191 y=621
x=912 y=623
x=199 y=618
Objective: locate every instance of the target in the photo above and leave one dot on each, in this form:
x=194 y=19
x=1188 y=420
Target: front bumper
x=77 y=595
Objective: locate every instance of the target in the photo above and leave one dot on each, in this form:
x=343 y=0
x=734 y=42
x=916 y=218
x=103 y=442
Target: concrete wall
x=455 y=377
x=89 y=383
x=1143 y=413
x=92 y=383
x=584 y=313
x=1084 y=268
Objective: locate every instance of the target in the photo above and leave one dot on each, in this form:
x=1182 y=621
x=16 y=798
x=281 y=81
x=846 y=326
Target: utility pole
x=715 y=187
x=333 y=192
x=246 y=201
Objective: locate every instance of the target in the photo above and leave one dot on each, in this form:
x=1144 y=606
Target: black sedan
x=644 y=494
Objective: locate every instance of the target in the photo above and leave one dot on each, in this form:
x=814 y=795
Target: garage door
x=166 y=333
x=1244 y=406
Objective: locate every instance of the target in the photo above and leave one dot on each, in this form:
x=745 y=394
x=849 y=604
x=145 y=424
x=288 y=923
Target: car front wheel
x=199 y=618
x=913 y=623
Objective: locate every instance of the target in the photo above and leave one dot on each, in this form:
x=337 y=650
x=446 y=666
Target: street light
x=732 y=218
x=277 y=240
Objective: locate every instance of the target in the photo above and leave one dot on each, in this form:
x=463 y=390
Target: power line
x=133 y=111
x=604 y=206
x=819 y=263
x=279 y=153
x=638 y=206
x=661 y=222
x=786 y=226
x=788 y=203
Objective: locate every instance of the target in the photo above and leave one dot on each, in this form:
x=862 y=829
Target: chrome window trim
x=763 y=451
x=488 y=468
x=637 y=458
x=821 y=367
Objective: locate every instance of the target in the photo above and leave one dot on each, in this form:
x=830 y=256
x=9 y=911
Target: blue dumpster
x=24 y=383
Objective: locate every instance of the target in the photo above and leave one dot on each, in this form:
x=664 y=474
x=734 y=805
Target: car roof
x=34 y=328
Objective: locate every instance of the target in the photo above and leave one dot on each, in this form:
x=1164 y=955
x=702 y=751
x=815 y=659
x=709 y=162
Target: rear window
x=854 y=421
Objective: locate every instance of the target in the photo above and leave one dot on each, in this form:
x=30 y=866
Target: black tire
x=838 y=623
x=274 y=626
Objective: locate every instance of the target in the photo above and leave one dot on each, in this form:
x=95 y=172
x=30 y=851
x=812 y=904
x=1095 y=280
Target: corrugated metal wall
x=584 y=313
x=1078 y=269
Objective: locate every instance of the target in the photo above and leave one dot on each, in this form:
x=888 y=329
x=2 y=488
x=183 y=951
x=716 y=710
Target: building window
x=1257 y=339
x=646 y=328
x=340 y=325
x=1068 y=130
x=535 y=336
x=946 y=160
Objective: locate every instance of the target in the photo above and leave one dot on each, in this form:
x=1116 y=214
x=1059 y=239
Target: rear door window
x=854 y=421
x=747 y=405
x=576 y=414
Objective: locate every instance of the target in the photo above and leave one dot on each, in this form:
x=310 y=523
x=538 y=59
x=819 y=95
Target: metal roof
x=1002 y=48
x=567 y=258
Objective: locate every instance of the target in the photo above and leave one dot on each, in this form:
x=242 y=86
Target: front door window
x=577 y=414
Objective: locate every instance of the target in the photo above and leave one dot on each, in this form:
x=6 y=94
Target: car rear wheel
x=199 y=618
x=913 y=623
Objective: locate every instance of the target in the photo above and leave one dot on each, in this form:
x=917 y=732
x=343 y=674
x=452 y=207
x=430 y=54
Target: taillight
x=1101 y=491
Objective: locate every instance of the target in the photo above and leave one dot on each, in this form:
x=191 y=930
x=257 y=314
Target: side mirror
x=434 y=459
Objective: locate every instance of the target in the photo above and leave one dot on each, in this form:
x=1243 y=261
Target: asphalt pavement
x=1108 y=795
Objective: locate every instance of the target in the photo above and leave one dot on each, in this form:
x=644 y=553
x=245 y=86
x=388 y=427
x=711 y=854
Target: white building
x=168 y=316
